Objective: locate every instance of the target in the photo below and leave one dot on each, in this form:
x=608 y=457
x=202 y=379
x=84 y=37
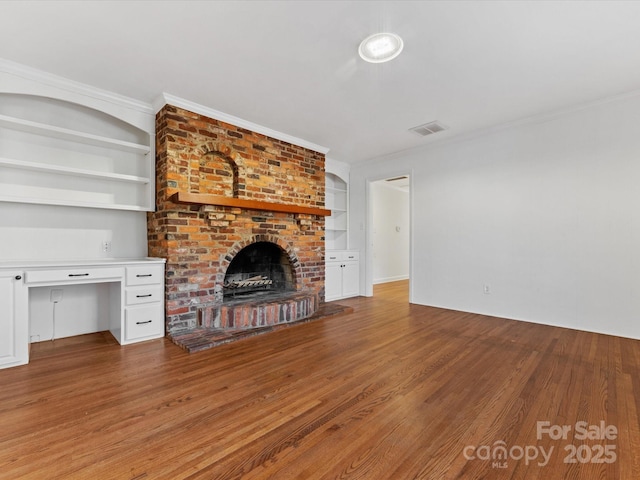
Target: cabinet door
x=350 y=279
x=332 y=281
x=14 y=325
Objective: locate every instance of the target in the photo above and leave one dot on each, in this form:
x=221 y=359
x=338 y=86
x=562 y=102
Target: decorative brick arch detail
x=226 y=259
x=229 y=155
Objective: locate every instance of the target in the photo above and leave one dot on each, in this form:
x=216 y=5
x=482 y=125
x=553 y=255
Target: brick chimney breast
x=202 y=155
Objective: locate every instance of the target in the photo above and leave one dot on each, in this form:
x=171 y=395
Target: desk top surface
x=97 y=262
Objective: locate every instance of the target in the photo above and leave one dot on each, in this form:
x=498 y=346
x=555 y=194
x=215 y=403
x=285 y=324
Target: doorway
x=389 y=209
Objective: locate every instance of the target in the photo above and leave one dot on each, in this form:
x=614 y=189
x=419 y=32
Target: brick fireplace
x=223 y=192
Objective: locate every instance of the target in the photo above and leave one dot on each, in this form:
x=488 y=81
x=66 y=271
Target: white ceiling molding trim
x=38 y=76
x=483 y=132
x=168 y=99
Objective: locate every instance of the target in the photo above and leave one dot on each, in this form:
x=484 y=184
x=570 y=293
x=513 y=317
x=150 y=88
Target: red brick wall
x=195 y=153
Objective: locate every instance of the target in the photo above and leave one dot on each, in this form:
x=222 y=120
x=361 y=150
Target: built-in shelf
x=73 y=135
x=48 y=156
x=336 y=194
x=207 y=199
x=78 y=172
x=71 y=203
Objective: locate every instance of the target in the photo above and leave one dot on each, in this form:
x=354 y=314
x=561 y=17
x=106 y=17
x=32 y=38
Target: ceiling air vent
x=428 y=128
x=396 y=179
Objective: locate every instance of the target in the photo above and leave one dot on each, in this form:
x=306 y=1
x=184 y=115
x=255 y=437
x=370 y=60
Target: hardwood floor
x=391 y=391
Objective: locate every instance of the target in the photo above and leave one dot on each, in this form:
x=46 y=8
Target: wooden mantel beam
x=207 y=199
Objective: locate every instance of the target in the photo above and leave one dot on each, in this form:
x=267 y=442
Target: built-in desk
x=135 y=291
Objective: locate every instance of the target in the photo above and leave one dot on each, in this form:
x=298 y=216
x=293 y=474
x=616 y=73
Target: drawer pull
x=142 y=323
x=18 y=277
x=78 y=274
x=147 y=295
x=144 y=275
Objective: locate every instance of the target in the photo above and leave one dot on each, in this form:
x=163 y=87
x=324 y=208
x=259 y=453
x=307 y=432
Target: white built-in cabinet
x=69 y=145
x=14 y=339
x=143 y=303
x=133 y=299
x=341 y=264
x=341 y=274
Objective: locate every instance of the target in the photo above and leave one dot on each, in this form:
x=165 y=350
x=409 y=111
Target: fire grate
x=243 y=285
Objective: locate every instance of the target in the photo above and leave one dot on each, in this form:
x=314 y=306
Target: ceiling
x=293 y=66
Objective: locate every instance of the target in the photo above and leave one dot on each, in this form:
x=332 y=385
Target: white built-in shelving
x=58 y=152
x=73 y=135
x=78 y=172
x=336 y=195
x=342 y=266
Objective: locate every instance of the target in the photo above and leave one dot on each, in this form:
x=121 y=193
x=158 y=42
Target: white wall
x=546 y=213
x=390 y=212
x=46 y=232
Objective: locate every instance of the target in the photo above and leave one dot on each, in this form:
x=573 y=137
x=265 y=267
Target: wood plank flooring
x=392 y=391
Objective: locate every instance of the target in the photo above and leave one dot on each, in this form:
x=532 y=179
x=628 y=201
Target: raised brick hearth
x=259 y=311
x=200 y=338
x=244 y=173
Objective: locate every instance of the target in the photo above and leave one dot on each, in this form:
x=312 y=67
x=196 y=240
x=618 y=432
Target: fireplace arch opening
x=259 y=269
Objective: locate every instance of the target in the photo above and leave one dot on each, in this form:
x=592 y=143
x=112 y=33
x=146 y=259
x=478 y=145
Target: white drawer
x=341 y=255
x=143 y=294
x=333 y=256
x=71 y=275
x=144 y=321
x=351 y=256
x=145 y=274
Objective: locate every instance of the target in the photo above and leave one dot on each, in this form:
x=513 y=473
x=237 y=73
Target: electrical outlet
x=106 y=246
x=487 y=290
x=56 y=295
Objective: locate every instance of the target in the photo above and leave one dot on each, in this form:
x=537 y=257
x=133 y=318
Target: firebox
x=258 y=269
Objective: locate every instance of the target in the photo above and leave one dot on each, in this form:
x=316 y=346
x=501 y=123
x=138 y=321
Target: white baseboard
x=397 y=278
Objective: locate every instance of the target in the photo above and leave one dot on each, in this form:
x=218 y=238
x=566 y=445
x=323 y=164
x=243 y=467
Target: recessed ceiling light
x=380 y=47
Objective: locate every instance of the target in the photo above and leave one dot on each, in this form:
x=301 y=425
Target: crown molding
x=168 y=99
x=71 y=86
x=494 y=129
